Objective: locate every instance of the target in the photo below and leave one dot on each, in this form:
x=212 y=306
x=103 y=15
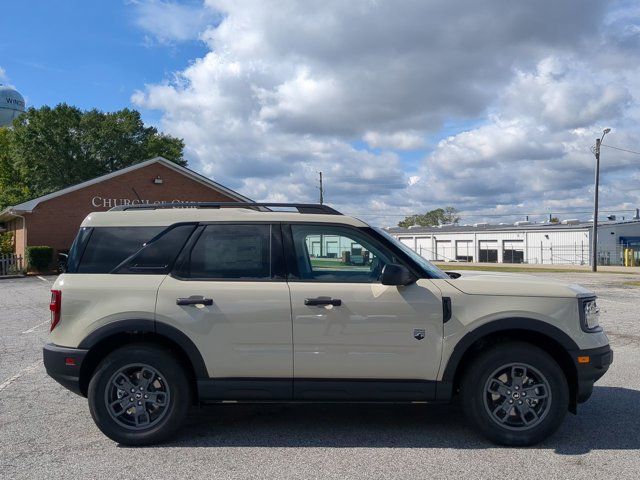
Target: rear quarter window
x=108 y=247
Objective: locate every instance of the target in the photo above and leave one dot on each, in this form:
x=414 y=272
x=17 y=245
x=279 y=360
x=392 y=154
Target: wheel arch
x=107 y=338
x=541 y=334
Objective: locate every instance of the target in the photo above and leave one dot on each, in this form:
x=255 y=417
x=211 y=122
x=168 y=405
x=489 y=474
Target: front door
x=230 y=297
x=353 y=337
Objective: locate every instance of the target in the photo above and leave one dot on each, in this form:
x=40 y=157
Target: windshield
x=430 y=268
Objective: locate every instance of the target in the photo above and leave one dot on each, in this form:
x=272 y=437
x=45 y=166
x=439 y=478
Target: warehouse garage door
x=444 y=250
x=464 y=250
x=424 y=248
x=408 y=241
x=488 y=251
x=513 y=251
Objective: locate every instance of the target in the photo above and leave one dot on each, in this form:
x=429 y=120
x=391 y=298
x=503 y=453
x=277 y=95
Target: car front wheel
x=515 y=393
x=139 y=395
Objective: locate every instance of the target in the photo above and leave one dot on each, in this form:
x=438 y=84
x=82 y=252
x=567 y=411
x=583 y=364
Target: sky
x=405 y=106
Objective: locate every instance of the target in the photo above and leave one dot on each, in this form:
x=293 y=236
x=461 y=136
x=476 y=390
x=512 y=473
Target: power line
x=621 y=149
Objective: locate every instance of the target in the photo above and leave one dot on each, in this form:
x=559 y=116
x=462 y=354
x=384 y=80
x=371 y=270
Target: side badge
x=419 y=333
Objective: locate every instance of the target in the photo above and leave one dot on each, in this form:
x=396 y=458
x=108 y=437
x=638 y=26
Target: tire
x=157 y=383
x=494 y=393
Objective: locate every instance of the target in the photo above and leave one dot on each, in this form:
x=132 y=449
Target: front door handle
x=194 y=300
x=336 y=302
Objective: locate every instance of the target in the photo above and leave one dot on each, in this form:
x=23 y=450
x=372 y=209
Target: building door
x=444 y=251
x=350 y=331
x=464 y=250
x=488 y=251
x=425 y=248
x=513 y=251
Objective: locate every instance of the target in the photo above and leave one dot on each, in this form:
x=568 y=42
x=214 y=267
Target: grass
x=632 y=284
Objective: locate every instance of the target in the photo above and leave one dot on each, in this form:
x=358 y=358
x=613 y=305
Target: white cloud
x=285 y=92
x=407 y=140
x=3 y=74
x=167 y=21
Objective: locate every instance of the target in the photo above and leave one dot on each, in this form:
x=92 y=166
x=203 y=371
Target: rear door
x=230 y=297
x=354 y=338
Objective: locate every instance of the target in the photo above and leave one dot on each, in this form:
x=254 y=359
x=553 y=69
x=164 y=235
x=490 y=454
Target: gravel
x=47 y=432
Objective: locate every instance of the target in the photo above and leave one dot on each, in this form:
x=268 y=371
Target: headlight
x=590 y=315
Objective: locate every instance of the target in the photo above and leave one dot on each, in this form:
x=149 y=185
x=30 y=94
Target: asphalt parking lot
x=47 y=432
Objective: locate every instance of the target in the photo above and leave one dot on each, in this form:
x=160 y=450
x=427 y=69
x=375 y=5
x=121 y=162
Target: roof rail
x=313 y=208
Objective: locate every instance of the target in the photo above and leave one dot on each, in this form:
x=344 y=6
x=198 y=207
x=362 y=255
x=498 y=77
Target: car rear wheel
x=139 y=395
x=515 y=393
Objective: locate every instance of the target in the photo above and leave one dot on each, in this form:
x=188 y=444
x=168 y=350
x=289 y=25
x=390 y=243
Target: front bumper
x=63 y=365
x=588 y=372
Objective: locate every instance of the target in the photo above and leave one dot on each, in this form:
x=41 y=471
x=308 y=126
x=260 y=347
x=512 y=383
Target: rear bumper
x=63 y=365
x=589 y=372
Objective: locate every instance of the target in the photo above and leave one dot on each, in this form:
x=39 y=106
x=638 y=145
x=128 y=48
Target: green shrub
x=39 y=258
x=6 y=243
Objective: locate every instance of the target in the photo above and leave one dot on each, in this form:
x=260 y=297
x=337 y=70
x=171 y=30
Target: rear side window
x=241 y=252
x=158 y=255
x=108 y=247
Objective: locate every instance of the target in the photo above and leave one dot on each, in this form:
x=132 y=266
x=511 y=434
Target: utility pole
x=594 y=239
x=321 y=189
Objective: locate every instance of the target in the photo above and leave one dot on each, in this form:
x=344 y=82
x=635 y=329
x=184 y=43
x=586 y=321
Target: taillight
x=56 y=307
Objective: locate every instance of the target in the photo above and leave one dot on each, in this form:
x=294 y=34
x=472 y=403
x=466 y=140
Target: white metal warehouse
x=567 y=242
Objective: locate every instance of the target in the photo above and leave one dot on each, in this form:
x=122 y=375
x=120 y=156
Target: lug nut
x=139 y=403
x=519 y=402
x=131 y=399
x=508 y=392
x=133 y=390
x=146 y=396
x=510 y=401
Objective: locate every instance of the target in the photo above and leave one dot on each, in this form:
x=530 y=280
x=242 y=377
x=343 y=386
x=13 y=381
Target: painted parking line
x=42 y=278
x=31 y=368
x=33 y=329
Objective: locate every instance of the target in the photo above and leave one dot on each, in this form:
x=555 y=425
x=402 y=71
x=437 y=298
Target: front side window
x=327 y=253
x=241 y=252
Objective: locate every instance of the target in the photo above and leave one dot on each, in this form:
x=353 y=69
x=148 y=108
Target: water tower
x=11 y=105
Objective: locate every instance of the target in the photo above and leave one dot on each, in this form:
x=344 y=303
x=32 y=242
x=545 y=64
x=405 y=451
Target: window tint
x=159 y=255
x=78 y=246
x=232 y=252
x=326 y=253
x=109 y=246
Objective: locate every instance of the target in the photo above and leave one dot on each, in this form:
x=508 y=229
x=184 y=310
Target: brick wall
x=55 y=222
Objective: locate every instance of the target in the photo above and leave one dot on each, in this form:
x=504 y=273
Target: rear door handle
x=336 y=302
x=194 y=300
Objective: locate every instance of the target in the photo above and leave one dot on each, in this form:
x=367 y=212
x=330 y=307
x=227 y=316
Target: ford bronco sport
x=163 y=306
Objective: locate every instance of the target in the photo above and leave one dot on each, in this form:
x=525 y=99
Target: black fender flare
x=150 y=326
x=445 y=386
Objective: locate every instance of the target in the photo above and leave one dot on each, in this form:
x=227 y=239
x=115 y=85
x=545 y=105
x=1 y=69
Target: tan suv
x=164 y=306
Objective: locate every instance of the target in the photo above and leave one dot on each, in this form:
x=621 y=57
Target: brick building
x=54 y=219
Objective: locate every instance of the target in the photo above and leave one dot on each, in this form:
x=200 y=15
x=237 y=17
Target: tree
x=439 y=216
x=554 y=220
x=12 y=187
x=51 y=148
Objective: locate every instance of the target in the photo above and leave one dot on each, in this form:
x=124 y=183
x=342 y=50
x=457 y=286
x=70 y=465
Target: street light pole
x=594 y=237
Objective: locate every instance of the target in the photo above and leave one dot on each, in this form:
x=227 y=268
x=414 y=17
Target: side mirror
x=394 y=274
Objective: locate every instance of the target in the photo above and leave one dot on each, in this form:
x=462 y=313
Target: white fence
x=11 y=264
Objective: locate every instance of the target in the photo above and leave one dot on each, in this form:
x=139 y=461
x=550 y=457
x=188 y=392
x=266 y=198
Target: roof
x=28 y=206
x=582 y=225
x=166 y=217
